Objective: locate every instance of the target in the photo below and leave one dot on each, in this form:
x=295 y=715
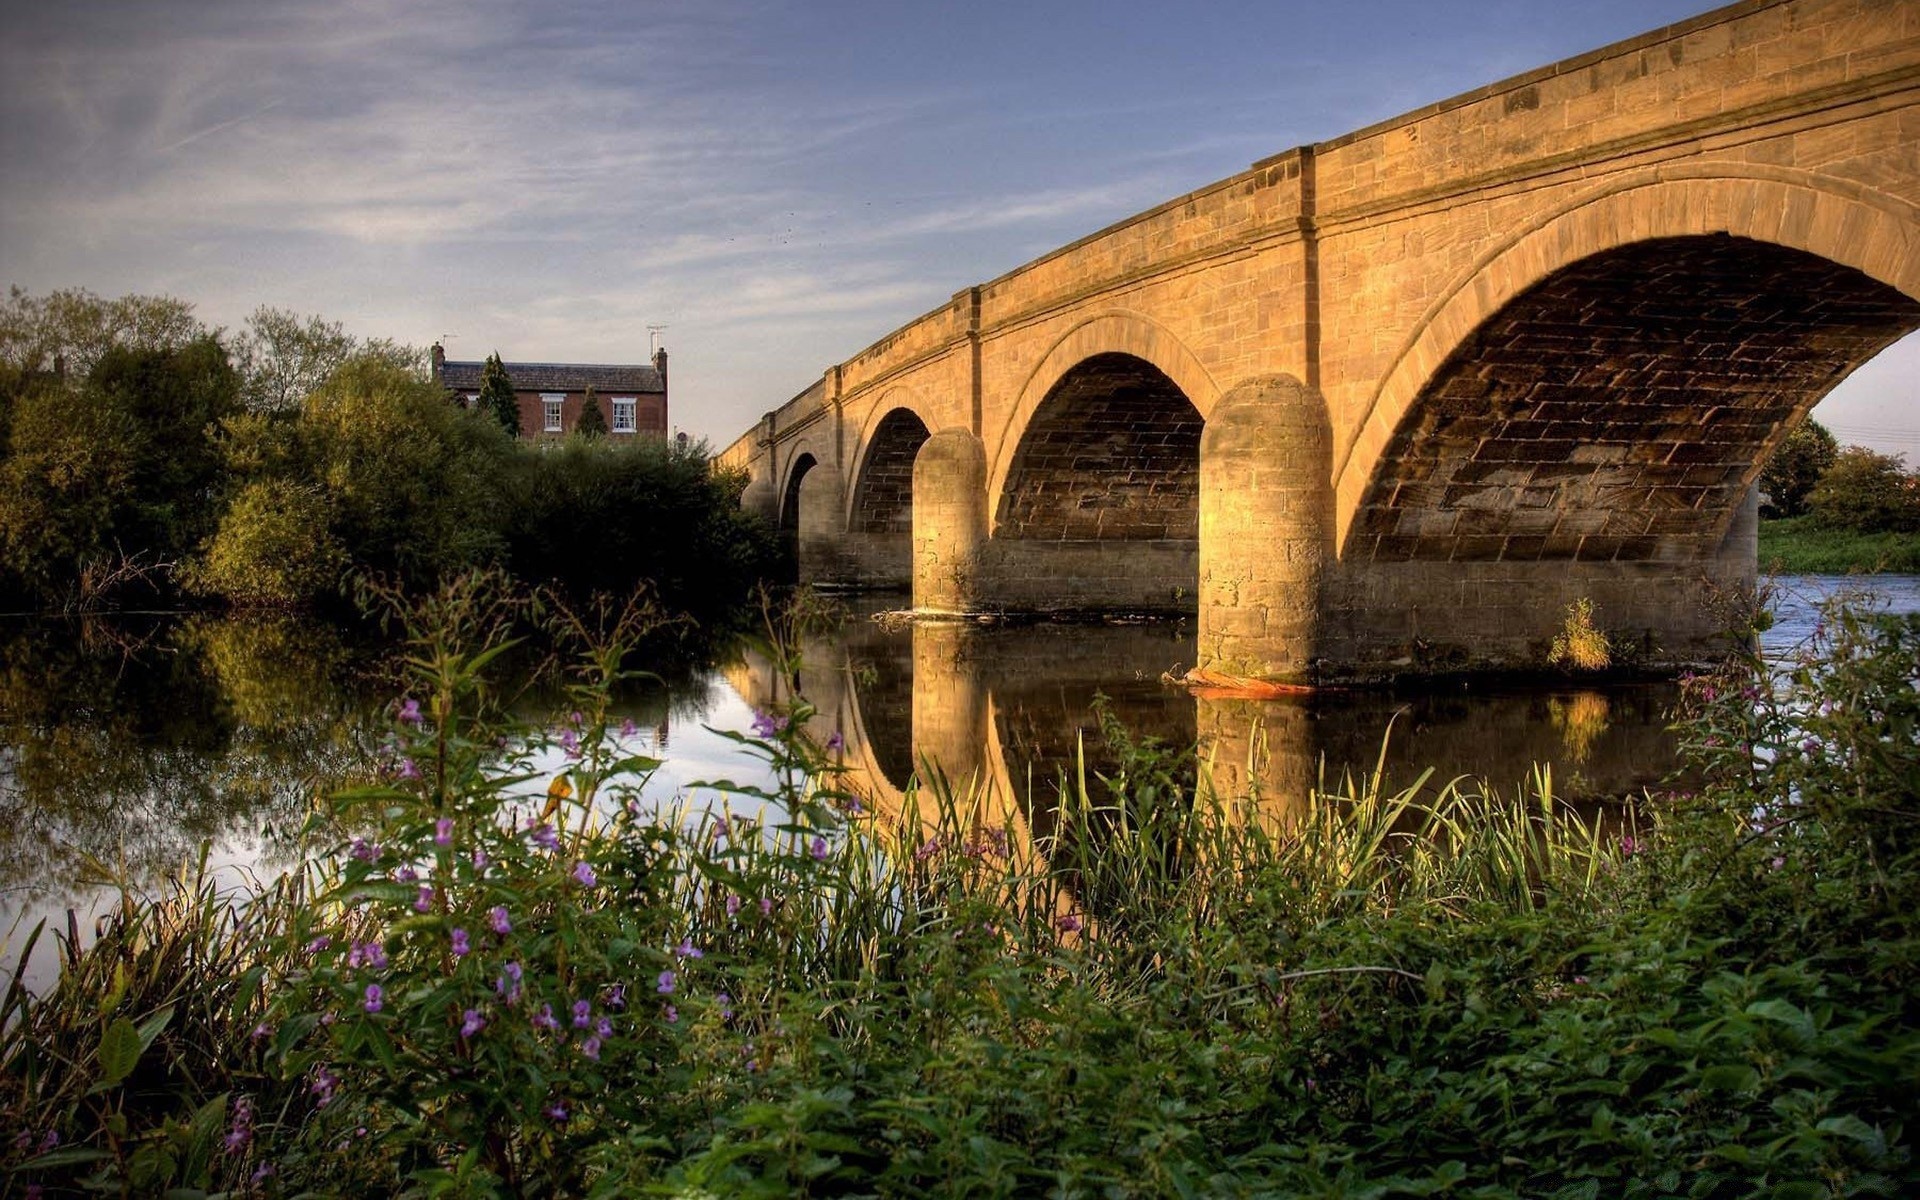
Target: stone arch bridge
x=1390 y=402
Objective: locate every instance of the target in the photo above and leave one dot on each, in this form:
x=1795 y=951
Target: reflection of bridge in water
x=1002 y=711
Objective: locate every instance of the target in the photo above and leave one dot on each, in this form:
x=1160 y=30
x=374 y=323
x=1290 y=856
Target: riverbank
x=1172 y=988
x=1794 y=546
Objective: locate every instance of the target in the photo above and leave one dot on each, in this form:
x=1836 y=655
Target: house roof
x=560 y=377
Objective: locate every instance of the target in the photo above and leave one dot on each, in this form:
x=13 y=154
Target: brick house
x=632 y=397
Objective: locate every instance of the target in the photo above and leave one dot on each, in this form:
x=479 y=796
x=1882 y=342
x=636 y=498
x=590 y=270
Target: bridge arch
x=1113 y=332
x=881 y=498
x=1651 y=342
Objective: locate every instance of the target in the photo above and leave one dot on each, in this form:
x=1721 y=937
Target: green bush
x=1866 y=492
x=1796 y=466
x=275 y=546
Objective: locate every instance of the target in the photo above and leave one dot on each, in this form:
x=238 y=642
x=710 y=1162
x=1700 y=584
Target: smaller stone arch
x=1113 y=332
x=881 y=502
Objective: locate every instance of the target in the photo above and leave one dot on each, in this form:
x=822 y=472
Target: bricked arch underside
x=883 y=499
x=1113 y=452
x=790 y=495
x=1619 y=409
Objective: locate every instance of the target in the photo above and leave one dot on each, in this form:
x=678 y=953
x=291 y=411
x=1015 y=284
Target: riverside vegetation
x=1837 y=510
x=146 y=458
x=497 y=981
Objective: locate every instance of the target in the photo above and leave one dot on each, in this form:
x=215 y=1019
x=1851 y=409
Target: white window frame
x=473 y=400
x=553 y=407
x=629 y=406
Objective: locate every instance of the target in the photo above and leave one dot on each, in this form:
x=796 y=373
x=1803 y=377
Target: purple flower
x=508 y=985
x=818 y=849
x=686 y=949
x=374 y=997
x=361 y=850
x=471 y=1023
x=557 y=1111
x=591 y=1048
x=318 y=944
x=766 y=906
x=443 y=832
x=1070 y=923
x=666 y=983
x=671 y=1014
x=409 y=769
x=371 y=954
x=584 y=876
x=1628 y=846
x=543 y=836
x=324 y=1084
x=725 y=1002
x=410 y=712
x=582 y=1014
x=497 y=919
x=405 y=875
x=261 y=1173
x=766 y=725
x=261 y=1033
x=480 y=859
x=603 y=1028
x=733 y=905
x=628 y=728
x=570 y=742
x=424 y=901
x=460 y=946
x=50 y=1141
x=835 y=743
x=617 y=996
x=544 y=1018
x=240 y=1130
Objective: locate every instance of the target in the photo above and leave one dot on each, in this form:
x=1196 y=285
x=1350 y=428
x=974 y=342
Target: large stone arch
x=1842 y=223
x=1111 y=332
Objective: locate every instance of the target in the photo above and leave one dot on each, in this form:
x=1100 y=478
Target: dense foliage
x=136 y=460
x=1795 y=467
x=1866 y=492
x=501 y=982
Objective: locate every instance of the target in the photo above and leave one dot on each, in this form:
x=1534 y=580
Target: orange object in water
x=1217 y=685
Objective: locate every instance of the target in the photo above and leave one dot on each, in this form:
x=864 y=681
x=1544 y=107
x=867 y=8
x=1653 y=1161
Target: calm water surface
x=128 y=744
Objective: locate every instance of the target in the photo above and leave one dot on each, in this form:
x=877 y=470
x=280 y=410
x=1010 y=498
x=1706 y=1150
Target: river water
x=127 y=745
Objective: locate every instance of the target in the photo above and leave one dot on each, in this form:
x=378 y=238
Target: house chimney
x=439 y=361
x=660 y=365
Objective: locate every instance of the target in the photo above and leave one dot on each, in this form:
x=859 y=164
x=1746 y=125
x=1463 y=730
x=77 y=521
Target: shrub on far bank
x=598 y=514
x=1866 y=492
x=275 y=547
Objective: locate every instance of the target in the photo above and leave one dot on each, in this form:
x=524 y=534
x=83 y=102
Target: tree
x=282 y=356
x=592 y=422
x=117 y=473
x=1866 y=492
x=69 y=331
x=1796 y=466
x=496 y=395
x=275 y=546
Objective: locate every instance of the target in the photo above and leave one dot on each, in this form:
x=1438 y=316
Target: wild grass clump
x=1580 y=645
x=502 y=982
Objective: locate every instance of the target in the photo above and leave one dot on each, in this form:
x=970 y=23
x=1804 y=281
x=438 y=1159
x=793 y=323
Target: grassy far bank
x=1797 y=546
x=1172 y=992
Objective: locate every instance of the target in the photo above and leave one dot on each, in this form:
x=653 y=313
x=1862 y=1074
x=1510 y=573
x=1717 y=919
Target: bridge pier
x=822 y=528
x=949 y=522
x=1266 y=537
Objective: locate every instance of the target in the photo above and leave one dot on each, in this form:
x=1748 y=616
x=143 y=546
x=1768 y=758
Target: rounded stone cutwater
x=1266 y=531
x=949 y=521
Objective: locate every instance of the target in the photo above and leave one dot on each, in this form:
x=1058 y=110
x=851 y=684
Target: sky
x=777 y=183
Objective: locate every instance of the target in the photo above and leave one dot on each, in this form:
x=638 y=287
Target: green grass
x=1795 y=546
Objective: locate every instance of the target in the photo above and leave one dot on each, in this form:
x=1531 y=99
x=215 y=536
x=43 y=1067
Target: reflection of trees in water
x=132 y=741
